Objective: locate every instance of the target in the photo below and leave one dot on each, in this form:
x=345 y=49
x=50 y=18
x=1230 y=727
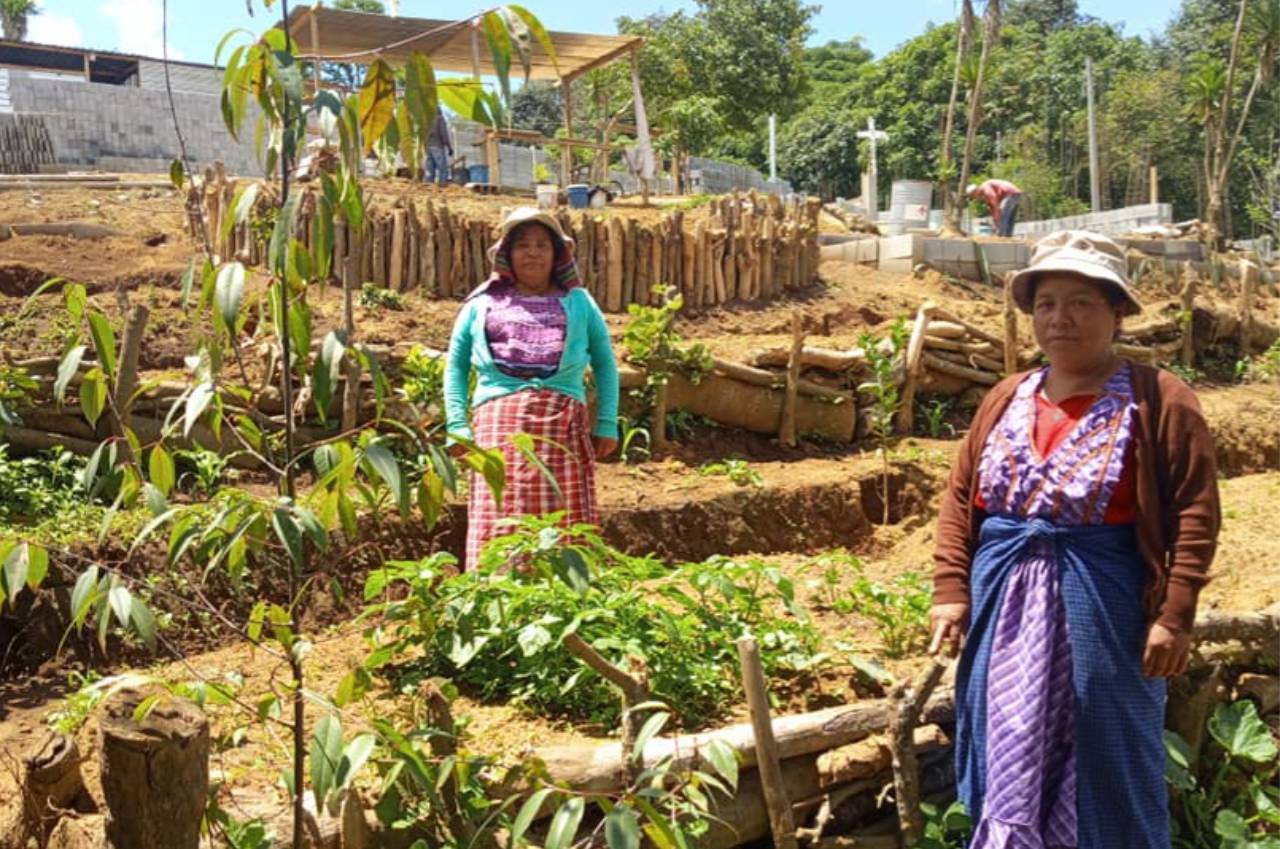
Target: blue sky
x=134 y=26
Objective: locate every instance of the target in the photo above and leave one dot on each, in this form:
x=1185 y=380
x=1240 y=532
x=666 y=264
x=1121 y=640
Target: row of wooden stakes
x=741 y=248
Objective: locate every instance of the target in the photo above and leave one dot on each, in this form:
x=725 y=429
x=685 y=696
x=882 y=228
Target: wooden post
x=1010 y=328
x=1155 y=185
x=630 y=271
x=907 y=704
x=1187 y=319
x=617 y=254
x=787 y=428
x=566 y=150
x=395 y=280
x=698 y=285
x=781 y=820
x=658 y=427
x=912 y=368
x=1248 y=289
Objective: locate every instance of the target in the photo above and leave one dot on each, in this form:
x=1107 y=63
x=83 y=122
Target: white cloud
x=138 y=26
x=47 y=27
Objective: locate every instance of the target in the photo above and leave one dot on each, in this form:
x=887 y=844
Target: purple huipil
x=1031 y=781
x=525 y=332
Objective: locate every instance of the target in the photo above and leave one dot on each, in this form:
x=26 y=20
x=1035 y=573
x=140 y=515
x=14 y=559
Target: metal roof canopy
x=360 y=37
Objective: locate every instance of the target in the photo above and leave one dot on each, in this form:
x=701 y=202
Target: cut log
x=913 y=367
x=957 y=346
x=1262 y=626
x=811 y=357
x=946 y=330
x=907 y=703
x=1248 y=290
x=973 y=329
x=1187 y=297
x=127 y=375
x=977 y=361
x=155 y=773
x=760 y=377
x=399 y=225
x=938 y=364
x=1264 y=690
x=872 y=756
x=596 y=769
x=73 y=229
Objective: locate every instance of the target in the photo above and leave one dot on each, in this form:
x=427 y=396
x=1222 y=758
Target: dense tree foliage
x=1159 y=99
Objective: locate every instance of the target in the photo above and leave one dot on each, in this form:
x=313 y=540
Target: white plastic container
x=547 y=196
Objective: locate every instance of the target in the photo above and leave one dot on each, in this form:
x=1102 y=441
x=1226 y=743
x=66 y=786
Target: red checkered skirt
x=561 y=431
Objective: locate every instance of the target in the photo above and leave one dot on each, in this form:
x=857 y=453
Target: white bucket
x=547 y=196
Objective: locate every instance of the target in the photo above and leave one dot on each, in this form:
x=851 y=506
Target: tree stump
x=52 y=782
x=155 y=773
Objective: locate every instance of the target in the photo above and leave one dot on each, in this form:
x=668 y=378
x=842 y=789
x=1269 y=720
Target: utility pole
x=773 y=148
x=873 y=135
x=1095 y=176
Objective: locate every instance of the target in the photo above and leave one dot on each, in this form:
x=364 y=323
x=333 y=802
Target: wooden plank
x=769 y=763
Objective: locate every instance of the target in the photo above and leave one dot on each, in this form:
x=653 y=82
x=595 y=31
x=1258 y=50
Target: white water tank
x=909 y=202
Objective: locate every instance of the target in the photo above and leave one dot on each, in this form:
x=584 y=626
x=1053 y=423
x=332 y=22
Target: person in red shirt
x=1002 y=199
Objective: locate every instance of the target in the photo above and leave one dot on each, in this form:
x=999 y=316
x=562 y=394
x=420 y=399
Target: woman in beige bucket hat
x=1077 y=530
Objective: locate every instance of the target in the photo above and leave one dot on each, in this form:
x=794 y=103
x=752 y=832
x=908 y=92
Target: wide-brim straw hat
x=1082 y=253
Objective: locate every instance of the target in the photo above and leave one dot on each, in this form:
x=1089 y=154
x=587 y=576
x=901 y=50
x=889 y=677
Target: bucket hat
x=1079 y=252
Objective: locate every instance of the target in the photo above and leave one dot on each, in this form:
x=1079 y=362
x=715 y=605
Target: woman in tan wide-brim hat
x=1077 y=530
x=528 y=334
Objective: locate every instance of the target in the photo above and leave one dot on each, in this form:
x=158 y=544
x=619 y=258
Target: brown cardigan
x=1177 y=497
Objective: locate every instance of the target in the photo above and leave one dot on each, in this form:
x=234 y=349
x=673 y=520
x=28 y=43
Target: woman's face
x=1074 y=321
x=533 y=255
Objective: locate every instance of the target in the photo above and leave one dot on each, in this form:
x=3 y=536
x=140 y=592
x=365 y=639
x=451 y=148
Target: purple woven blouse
x=525 y=332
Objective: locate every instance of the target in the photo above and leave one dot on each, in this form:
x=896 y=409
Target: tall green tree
x=13 y=17
x=990 y=35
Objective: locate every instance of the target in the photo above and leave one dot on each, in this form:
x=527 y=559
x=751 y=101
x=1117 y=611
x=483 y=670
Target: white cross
x=874 y=135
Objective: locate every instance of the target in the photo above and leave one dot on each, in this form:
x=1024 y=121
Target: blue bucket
x=479 y=173
x=579 y=195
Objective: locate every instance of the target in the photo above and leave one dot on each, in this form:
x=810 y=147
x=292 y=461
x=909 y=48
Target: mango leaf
x=538 y=31
x=725 y=761
x=288 y=533
x=499 y=40
x=651 y=726
x=156 y=502
x=282 y=235
x=431 y=498
x=326 y=753
x=564 y=825
x=197 y=403
x=376 y=103
x=257 y=617
x=83 y=594
x=622 y=829
x=93 y=395
x=160 y=469
x=241 y=205
x=420 y=93
x=354 y=757
x=121 y=601
x=104 y=341
x=66 y=370
x=384 y=464
x=228 y=293
x=1238 y=729
x=1177 y=766
x=528 y=813
x=15 y=569
x=407 y=140
x=37 y=565
x=75 y=297
x=177 y=175
x=144 y=624
x=322 y=241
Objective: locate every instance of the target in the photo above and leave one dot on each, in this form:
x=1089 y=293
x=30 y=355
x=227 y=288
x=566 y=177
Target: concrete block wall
x=185 y=79
x=901 y=253
x=1111 y=222
x=864 y=251
x=1180 y=250
x=724 y=177
x=124 y=128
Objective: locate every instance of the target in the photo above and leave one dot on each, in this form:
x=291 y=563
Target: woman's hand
x=947 y=624
x=603 y=445
x=1167 y=652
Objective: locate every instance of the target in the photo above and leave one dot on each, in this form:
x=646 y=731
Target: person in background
x=1002 y=198
x=439 y=150
x=1073 y=540
x=529 y=333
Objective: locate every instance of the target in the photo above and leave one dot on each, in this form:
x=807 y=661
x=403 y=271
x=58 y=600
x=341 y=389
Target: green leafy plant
x=635 y=442
x=1227 y=799
x=836 y=569
x=900 y=611
x=681 y=424
x=934 y=415
x=884 y=358
x=498 y=630
x=944 y=828
x=652 y=343
x=203 y=470
x=78 y=706
x=736 y=470
x=1265 y=366
x=375 y=297
x=422 y=379
x=34 y=489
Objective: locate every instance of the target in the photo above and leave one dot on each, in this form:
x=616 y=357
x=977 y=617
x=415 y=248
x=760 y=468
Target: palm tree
x=964 y=37
x=13 y=17
x=1261 y=24
x=990 y=34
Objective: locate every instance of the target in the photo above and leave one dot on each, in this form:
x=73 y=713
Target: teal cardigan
x=586 y=343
